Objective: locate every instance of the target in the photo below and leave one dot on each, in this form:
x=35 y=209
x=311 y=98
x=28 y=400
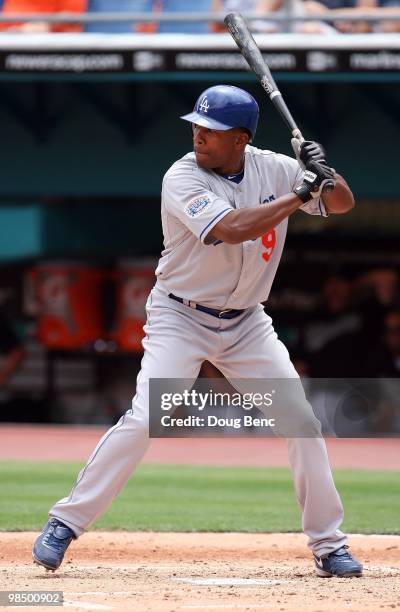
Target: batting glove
x=317 y=178
x=307 y=151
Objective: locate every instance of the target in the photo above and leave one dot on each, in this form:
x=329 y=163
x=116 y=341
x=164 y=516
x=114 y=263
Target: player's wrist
x=303 y=192
x=316 y=179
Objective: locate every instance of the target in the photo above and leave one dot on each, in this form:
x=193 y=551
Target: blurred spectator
x=374 y=8
x=11 y=349
x=15 y=7
x=384 y=285
x=297 y=8
x=379 y=290
x=326 y=7
x=301 y=8
x=231 y=6
x=17 y=405
x=356 y=7
x=384 y=359
x=122 y=6
x=390 y=6
x=300 y=362
x=334 y=339
x=184 y=6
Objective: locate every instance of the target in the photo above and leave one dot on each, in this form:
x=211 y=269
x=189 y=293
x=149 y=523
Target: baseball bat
x=252 y=54
x=248 y=47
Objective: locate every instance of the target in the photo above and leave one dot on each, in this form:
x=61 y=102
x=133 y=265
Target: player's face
x=219 y=150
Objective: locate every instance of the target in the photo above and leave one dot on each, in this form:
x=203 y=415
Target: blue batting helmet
x=223 y=107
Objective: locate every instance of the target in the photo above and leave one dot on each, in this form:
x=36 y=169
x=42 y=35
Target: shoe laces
x=57 y=540
x=342 y=552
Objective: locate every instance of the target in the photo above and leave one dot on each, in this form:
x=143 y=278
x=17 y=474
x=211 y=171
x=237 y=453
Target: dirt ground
x=203 y=571
x=200 y=571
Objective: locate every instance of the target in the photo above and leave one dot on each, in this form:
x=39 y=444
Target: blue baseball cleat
x=338 y=563
x=50 y=546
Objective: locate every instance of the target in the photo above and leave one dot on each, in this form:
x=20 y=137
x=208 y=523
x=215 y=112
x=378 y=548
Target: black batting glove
x=311 y=151
x=307 y=151
x=317 y=178
x=321 y=168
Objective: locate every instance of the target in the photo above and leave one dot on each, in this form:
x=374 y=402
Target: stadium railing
x=287 y=18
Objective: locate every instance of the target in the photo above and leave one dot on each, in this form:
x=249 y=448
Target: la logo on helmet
x=204 y=105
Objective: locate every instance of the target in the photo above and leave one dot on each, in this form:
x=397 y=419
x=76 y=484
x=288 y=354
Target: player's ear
x=243 y=137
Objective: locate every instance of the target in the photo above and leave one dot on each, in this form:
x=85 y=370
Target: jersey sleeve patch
x=197 y=206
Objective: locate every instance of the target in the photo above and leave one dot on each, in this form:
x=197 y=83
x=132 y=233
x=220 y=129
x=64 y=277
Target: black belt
x=229 y=313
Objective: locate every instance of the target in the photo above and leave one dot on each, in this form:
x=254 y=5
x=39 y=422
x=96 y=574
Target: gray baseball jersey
x=194 y=200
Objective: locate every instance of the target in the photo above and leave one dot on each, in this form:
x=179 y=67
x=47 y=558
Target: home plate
x=230 y=581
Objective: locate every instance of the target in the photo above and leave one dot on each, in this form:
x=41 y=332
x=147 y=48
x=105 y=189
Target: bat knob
x=329 y=186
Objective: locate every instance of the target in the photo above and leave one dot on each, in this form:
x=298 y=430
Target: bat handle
x=297 y=134
x=330 y=186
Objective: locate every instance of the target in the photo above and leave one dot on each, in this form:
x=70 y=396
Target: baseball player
x=225 y=209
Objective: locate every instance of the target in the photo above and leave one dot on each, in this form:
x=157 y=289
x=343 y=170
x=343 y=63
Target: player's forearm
x=341 y=199
x=251 y=223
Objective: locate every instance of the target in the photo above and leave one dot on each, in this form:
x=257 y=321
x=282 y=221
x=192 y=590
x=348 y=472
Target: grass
x=189 y=498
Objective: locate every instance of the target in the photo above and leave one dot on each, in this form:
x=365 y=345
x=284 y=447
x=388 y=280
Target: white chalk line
x=102 y=593
x=382 y=568
x=85 y=605
x=301 y=535
x=119 y=567
x=222 y=606
x=230 y=581
x=384 y=536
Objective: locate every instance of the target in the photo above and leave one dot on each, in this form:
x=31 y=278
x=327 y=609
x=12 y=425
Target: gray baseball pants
x=178 y=339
